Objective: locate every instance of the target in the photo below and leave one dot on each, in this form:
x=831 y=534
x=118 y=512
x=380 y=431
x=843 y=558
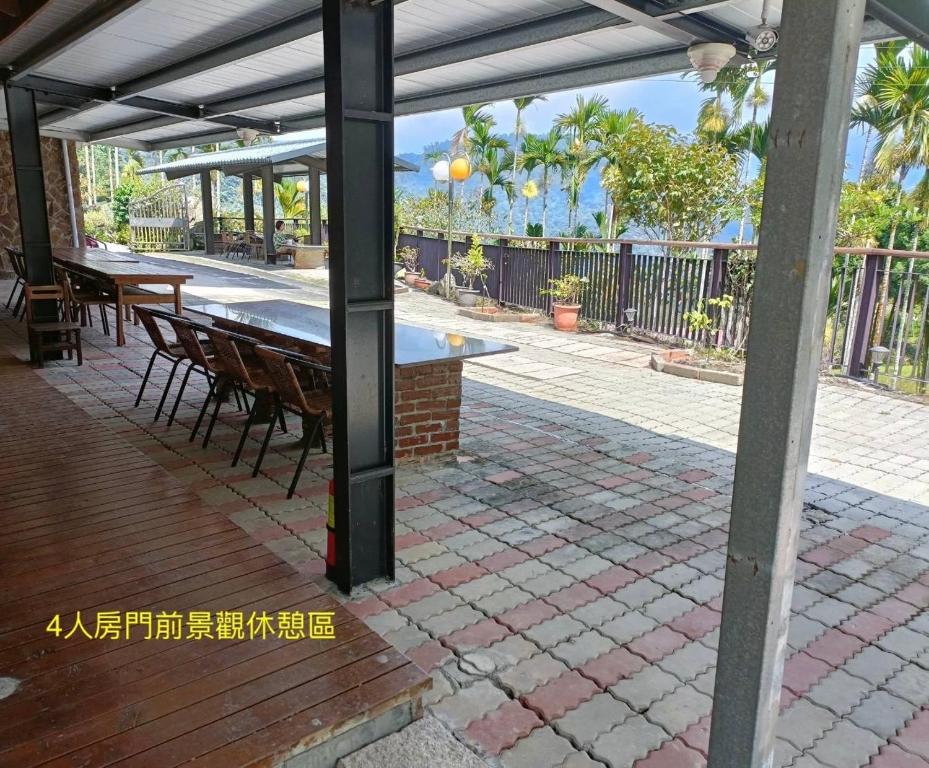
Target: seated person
x=282 y=240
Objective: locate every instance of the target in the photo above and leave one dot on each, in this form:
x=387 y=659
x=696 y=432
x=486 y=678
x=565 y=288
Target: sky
x=665 y=99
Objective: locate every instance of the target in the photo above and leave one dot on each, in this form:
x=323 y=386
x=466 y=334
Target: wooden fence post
x=502 y=243
x=624 y=292
x=554 y=269
x=719 y=268
x=869 y=284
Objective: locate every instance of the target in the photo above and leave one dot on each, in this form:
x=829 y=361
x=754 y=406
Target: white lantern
x=440 y=171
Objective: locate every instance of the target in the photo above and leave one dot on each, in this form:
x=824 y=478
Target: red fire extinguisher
x=330 y=527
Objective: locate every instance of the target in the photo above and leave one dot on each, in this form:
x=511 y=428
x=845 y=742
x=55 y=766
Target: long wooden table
x=124 y=273
x=428 y=365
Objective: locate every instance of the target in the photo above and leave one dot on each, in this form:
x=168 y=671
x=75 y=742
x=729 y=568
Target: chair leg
x=209 y=429
x=77 y=341
x=104 y=325
x=280 y=416
x=16 y=284
x=265 y=442
x=180 y=393
x=206 y=403
x=244 y=437
x=148 y=372
x=306 y=451
x=164 y=395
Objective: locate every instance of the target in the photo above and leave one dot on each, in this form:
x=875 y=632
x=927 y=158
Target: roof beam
x=627 y=11
x=546 y=29
x=93 y=19
x=910 y=19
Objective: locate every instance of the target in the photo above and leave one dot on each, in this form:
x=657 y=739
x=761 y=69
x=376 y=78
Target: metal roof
x=156 y=74
x=289 y=158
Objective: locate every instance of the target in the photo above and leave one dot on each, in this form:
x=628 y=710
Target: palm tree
x=485 y=145
x=472 y=115
x=544 y=152
x=893 y=100
x=494 y=170
x=290 y=198
x=521 y=105
x=579 y=124
x=609 y=132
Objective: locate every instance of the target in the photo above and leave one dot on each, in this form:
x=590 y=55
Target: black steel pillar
x=358 y=45
x=316 y=214
x=30 y=186
x=206 y=196
x=267 y=210
x=248 y=199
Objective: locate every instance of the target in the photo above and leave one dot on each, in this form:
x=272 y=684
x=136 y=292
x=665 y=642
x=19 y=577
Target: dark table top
x=412 y=345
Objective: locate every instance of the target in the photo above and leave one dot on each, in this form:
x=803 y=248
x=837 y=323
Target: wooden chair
x=255 y=246
x=302 y=386
x=236 y=356
x=172 y=352
x=85 y=293
x=59 y=335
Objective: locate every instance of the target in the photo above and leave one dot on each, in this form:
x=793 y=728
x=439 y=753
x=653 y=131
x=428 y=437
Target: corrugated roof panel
x=40 y=28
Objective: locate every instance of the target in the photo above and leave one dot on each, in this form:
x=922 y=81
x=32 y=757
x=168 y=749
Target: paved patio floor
x=560 y=579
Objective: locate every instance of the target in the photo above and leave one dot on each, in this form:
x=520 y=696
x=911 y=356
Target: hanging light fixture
x=709 y=58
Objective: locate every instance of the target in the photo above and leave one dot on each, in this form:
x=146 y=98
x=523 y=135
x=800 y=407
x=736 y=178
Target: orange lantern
x=460 y=168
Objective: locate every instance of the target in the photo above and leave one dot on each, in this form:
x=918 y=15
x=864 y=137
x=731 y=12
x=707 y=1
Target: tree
x=544 y=152
x=673 y=189
x=609 y=133
x=578 y=126
x=521 y=105
x=291 y=200
x=485 y=146
x=495 y=171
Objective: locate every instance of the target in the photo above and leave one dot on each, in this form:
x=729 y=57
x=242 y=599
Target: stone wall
x=56 y=192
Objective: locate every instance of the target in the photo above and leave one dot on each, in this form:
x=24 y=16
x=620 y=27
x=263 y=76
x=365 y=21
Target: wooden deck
x=90 y=524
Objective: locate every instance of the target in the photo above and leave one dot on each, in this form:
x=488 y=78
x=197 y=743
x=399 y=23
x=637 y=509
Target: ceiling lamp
x=709 y=58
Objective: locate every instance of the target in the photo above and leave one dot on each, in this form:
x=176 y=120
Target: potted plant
x=471 y=265
x=421 y=281
x=566 y=293
x=410 y=258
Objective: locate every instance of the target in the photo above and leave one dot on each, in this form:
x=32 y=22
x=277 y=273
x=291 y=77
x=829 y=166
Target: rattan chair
x=85 y=293
x=236 y=356
x=19 y=278
x=303 y=386
x=202 y=360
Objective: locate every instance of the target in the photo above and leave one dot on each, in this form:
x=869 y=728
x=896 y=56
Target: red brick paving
x=502 y=728
x=527 y=615
x=458 y=575
x=409 y=593
x=561 y=695
x=657 y=644
x=543 y=544
x=892 y=756
x=612 y=667
x=697 y=623
x=479 y=635
x=648 y=563
x=500 y=560
x=802 y=672
x=409 y=540
x=868 y=626
x=695 y=475
x=504 y=477
x=572 y=597
x=430 y=655
x=914 y=737
x=697 y=736
x=835 y=647
x=611 y=579
x=672 y=754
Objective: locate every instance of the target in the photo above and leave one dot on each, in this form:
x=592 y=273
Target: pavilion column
x=248 y=200
x=316 y=217
x=805 y=164
x=358 y=47
x=206 y=196
x=30 y=185
x=267 y=210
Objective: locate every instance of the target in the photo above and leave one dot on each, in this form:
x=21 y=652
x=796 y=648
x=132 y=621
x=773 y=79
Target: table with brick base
x=428 y=365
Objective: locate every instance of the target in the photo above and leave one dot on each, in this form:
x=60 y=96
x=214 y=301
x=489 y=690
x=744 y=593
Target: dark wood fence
x=877 y=297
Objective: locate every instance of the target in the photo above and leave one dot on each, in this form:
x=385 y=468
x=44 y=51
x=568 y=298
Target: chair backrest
x=226 y=346
x=17 y=262
x=57 y=293
x=186 y=332
x=150 y=324
x=282 y=367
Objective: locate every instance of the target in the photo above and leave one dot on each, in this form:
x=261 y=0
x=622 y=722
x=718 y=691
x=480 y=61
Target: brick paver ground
x=561 y=577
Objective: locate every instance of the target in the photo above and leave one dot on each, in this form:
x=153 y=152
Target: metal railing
x=878 y=297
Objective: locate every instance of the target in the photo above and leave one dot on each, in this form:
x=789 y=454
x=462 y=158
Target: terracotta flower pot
x=410 y=278
x=566 y=316
x=422 y=283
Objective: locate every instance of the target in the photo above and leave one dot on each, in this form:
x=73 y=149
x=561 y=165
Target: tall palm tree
x=544 y=152
x=521 y=105
x=485 y=147
x=473 y=115
x=494 y=169
x=609 y=132
x=893 y=100
x=579 y=125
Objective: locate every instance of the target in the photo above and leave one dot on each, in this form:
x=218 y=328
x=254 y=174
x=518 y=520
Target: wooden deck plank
x=97 y=525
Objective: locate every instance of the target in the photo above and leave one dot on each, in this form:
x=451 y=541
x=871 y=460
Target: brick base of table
x=428 y=407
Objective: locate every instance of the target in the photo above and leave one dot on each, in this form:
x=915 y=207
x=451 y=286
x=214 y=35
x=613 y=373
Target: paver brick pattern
x=561 y=578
